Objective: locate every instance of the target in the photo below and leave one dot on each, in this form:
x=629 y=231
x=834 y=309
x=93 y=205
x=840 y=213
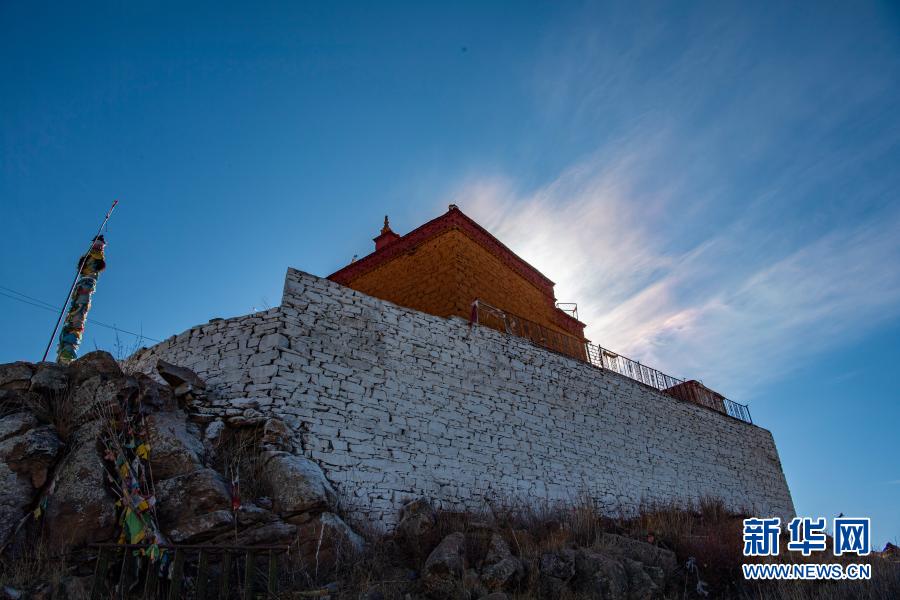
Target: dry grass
x=238 y=455
x=35 y=563
x=708 y=533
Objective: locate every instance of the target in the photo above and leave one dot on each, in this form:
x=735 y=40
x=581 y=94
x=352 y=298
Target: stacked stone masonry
x=394 y=403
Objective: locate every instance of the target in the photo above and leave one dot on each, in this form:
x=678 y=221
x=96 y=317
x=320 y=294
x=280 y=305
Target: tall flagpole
x=86 y=261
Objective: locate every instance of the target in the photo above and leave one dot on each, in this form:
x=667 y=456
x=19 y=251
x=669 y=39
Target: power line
x=31 y=301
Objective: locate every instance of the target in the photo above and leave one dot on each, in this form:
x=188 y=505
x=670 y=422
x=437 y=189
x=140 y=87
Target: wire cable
x=30 y=300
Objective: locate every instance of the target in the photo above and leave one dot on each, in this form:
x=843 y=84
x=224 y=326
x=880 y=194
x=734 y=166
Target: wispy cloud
x=703 y=311
x=728 y=248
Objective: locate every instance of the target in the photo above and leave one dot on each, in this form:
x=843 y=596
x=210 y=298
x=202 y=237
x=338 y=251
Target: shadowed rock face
x=193 y=501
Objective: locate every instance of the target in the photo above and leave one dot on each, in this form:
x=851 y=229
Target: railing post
x=100 y=574
x=177 y=575
x=273 y=574
x=249 y=572
x=225 y=587
x=202 y=568
x=151 y=581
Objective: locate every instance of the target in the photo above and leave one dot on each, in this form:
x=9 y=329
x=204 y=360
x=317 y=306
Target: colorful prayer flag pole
x=83 y=286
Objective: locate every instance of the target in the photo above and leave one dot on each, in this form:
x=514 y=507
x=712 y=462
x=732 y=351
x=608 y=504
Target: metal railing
x=687 y=390
x=490 y=316
x=121 y=567
x=612 y=361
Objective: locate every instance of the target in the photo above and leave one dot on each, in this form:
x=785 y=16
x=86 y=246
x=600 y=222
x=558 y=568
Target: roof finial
x=387 y=226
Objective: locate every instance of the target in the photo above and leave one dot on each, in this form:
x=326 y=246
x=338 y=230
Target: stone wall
x=394 y=403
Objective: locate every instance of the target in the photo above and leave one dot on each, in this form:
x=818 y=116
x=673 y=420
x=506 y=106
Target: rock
x=74 y=588
x=92 y=364
x=194 y=506
x=214 y=431
x=417 y=519
x=559 y=565
x=472 y=586
x=175 y=447
x=16 y=376
x=640 y=584
x=238 y=421
x=200 y=528
x=269 y=534
x=497 y=550
x=15 y=497
x=657 y=575
x=445 y=567
x=503 y=573
x=32 y=454
x=648 y=554
x=276 y=435
x=175 y=376
x=600 y=575
x=325 y=541
x=295 y=484
x=97 y=395
x=153 y=394
x=80 y=511
x=18 y=400
x=16 y=424
x=50 y=379
x=264 y=502
x=502 y=568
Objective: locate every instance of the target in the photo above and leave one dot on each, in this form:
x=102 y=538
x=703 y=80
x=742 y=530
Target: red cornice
x=452 y=219
x=456 y=219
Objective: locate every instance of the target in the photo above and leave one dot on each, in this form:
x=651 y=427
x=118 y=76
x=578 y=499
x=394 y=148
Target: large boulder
x=32 y=454
x=642 y=552
x=16 y=376
x=50 y=379
x=15 y=491
x=92 y=364
x=600 y=575
x=559 y=565
x=296 y=485
x=642 y=584
x=80 y=511
x=194 y=506
x=98 y=398
x=326 y=542
x=275 y=435
x=181 y=379
x=12 y=401
x=16 y=424
x=175 y=446
x=501 y=569
x=256 y=526
x=417 y=519
x=445 y=567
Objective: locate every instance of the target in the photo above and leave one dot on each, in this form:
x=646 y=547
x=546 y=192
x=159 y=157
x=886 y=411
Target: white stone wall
x=394 y=403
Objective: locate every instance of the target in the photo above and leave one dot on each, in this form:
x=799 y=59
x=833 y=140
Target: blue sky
x=715 y=184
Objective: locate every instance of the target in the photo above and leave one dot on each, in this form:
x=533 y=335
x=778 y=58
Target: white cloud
x=737 y=219
x=720 y=307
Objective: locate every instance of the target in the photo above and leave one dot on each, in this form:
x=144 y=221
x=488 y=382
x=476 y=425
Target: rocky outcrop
x=194 y=503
